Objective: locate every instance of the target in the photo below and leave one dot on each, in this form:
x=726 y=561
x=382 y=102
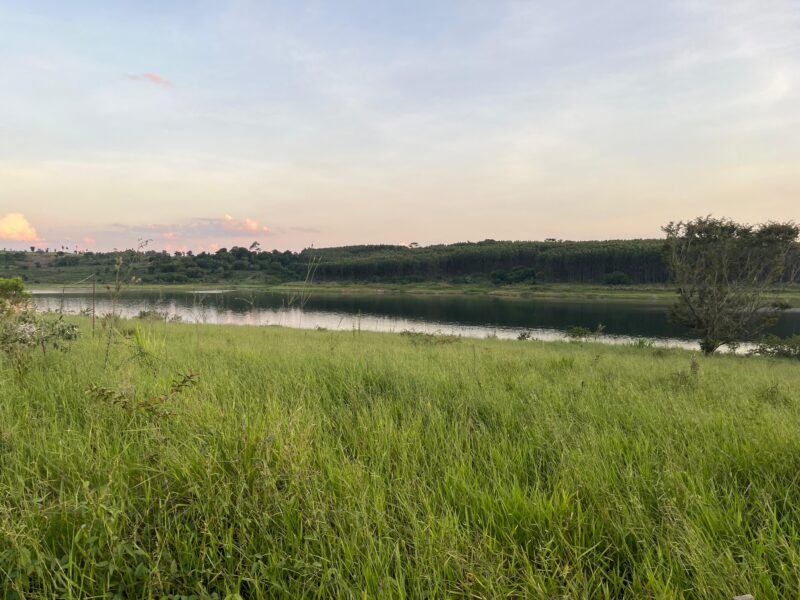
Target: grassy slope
x=316 y=463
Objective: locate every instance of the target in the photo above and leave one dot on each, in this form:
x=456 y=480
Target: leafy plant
x=578 y=333
x=155 y=406
x=12 y=292
x=777 y=347
x=23 y=331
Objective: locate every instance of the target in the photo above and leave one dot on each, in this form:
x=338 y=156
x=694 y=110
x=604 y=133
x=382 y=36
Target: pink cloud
x=246 y=225
x=226 y=230
x=14 y=226
x=152 y=78
x=89 y=241
x=252 y=225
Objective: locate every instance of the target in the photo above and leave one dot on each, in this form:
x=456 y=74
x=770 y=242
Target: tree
x=724 y=272
x=12 y=291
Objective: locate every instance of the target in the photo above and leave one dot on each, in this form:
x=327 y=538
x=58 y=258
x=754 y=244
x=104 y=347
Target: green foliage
x=502 y=262
x=23 y=331
x=578 y=333
x=723 y=271
x=617 y=278
x=148 y=347
x=515 y=275
x=152 y=314
x=12 y=292
x=779 y=347
x=152 y=407
x=309 y=464
x=420 y=338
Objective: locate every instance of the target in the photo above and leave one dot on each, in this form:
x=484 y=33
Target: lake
x=474 y=316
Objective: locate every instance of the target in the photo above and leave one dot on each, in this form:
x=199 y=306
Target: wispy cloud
x=15 y=227
x=226 y=226
x=245 y=225
x=152 y=78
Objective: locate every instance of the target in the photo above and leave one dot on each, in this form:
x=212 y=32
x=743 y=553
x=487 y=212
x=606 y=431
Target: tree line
x=641 y=261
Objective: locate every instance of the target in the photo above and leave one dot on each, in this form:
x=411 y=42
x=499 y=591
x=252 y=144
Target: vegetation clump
x=777 y=347
x=24 y=331
x=422 y=338
x=153 y=407
x=723 y=271
x=617 y=278
x=514 y=275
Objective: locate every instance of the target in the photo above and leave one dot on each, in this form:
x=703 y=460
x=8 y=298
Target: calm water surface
x=475 y=316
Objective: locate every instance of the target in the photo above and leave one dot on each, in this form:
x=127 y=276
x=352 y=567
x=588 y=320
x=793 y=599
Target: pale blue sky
x=200 y=124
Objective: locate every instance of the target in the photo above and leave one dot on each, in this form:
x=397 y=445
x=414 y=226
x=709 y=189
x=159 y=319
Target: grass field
x=322 y=464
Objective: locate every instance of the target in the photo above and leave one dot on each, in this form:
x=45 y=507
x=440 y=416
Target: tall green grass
x=322 y=464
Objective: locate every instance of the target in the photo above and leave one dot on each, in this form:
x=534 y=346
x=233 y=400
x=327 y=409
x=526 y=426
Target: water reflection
x=478 y=316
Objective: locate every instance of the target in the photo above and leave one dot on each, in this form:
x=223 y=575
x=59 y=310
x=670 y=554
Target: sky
x=202 y=124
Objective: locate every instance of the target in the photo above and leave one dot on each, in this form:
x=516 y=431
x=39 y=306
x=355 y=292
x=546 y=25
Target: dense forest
x=490 y=261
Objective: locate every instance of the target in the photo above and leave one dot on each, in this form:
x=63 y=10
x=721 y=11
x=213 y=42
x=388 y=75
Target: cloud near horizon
x=213 y=229
x=152 y=78
x=15 y=227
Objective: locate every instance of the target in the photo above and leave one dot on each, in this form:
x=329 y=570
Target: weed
x=688 y=379
x=437 y=339
x=642 y=343
x=152 y=407
x=774 y=396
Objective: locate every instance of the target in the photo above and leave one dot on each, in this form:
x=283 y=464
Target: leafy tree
x=12 y=291
x=723 y=271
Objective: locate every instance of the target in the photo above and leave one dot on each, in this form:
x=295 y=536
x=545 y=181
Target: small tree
x=23 y=330
x=12 y=293
x=724 y=271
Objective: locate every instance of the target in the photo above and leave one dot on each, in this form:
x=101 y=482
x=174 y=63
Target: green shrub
x=23 y=330
x=617 y=278
x=515 y=275
x=777 y=347
x=12 y=292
